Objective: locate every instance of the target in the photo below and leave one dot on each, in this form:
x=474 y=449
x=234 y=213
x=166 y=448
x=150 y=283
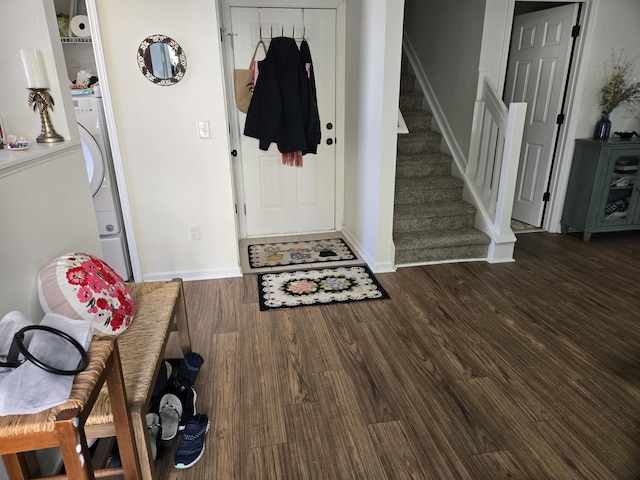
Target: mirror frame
x=146 y=69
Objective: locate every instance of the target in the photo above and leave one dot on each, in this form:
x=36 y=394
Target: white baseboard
x=386 y=267
x=189 y=275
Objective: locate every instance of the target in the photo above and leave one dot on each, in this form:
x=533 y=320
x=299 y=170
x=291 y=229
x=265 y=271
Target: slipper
x=170 y=413
x=188 y=369
x=153 y=429
x=191 y=446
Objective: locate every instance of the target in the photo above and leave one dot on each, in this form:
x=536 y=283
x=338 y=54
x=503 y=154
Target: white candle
x=34 y=68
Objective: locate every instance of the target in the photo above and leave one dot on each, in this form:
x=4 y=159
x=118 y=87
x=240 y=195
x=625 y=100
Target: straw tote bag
x=243 y=81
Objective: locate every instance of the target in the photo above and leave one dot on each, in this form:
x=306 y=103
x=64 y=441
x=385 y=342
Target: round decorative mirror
x=162 y=60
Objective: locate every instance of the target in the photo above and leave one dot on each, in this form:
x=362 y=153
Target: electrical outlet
x=194 y=232
x=203 y=129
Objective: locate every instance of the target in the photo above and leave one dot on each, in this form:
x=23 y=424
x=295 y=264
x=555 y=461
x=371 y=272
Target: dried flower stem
x=620 y=87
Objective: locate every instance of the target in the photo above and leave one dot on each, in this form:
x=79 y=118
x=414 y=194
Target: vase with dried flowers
x=620 y=88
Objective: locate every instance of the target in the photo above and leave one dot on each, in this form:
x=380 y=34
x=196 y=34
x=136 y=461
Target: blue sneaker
x=191 y=446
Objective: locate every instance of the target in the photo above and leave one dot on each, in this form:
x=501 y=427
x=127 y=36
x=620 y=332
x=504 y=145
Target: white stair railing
x=493 y=167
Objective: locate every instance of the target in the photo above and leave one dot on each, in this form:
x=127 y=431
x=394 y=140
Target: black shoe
x=188 y=369
x=188 y=398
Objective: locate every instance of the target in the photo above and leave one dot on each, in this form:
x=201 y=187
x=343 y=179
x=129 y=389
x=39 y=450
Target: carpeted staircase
x=431 y=222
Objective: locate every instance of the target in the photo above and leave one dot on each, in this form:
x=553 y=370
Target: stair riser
x=421 y=169
x=418 y=121
x=406 y=225
x=410 y=103
x=405 y=66
x=404 y=196
x=440 y=254
x=407 y=83
x=411 y=144
x=431 y=223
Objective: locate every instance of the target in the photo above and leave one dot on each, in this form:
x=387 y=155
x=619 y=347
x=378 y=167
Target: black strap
x=18 y=346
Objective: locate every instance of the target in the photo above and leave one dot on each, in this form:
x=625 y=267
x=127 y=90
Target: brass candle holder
x=41 y=99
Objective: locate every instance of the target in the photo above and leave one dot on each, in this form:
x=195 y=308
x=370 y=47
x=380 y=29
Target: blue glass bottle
x=603 y=128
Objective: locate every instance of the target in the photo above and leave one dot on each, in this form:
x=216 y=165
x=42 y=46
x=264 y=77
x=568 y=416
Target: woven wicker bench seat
x=62 y=425
x=160 y=310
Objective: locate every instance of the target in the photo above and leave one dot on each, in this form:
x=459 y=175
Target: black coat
x=283 y=107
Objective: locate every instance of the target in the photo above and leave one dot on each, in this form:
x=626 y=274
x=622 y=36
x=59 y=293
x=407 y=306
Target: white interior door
x=538 y=64
x=280 y=199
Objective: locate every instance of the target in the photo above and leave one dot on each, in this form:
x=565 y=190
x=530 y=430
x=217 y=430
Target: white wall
x=372 y=57
x=615 y=26
x=47 y=208
x=173 y=178
x=611 y=26
x=608 y=26
x=446 y=37
x=456 y=40
x=42 y=218
x=32 y=24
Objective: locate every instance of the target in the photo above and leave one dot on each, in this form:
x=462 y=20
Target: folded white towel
x=28 y=388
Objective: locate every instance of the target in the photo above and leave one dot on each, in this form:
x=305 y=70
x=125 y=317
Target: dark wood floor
x=525 y=370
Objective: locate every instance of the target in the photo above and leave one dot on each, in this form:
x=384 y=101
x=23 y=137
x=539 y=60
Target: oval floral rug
x=318 y=286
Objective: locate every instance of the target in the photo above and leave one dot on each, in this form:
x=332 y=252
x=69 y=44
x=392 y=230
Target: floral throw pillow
x=82 y=286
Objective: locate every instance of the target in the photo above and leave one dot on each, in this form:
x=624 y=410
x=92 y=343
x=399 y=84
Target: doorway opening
x=539 y=68
x=273 y=199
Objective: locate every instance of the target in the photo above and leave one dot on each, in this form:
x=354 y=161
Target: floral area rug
x=318 y=287
x=291 y=253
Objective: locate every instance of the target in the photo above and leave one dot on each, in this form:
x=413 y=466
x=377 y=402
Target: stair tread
x=440 y=238
x=425 y=157
x=433 y=182
x=422 y=155
x=433 y=209
x=412 y=137
x=416 y=114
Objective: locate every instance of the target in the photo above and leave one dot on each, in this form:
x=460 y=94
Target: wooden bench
x=160 y=310
x=63 y=425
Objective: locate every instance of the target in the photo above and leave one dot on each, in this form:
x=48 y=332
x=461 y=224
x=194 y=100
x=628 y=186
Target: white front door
x=538 y=64
x=280 y=199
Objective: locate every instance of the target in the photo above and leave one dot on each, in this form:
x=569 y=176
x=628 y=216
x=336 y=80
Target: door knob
x=234 y=153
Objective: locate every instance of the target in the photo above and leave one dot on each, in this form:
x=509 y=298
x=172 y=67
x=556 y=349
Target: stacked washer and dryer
x=99 y=162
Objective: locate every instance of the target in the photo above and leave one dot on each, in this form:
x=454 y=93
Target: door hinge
x=575 y=31
x=560 y=119
x=546 y=196
x=235 y=207
x=245 y=208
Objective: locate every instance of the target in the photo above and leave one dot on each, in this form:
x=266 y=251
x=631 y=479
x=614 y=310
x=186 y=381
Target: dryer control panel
x=84 y=105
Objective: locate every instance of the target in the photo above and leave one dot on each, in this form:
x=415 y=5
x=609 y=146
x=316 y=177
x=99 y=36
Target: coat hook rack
x=304 y=26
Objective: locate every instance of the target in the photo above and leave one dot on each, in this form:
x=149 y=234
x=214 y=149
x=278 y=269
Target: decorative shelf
x=75 y=39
